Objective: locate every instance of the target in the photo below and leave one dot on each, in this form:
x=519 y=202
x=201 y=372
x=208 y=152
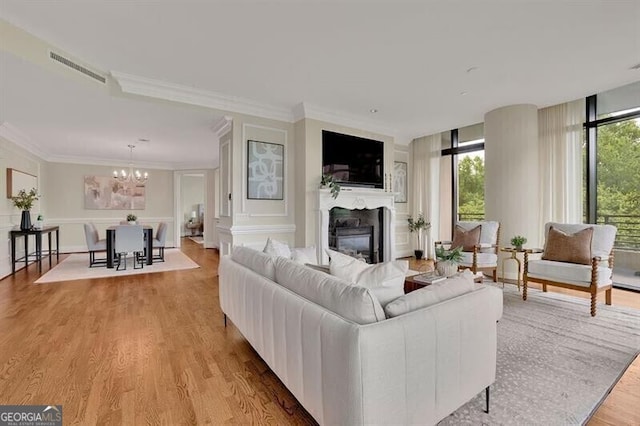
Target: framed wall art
x=265 y=170
x=106 y=193
x=400 y=181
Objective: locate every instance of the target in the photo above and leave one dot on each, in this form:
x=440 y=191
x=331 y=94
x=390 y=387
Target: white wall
x=12 y=156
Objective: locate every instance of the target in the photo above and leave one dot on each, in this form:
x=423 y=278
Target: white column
x=512 y=189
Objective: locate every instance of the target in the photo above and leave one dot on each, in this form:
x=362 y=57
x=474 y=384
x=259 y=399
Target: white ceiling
x=409 y=60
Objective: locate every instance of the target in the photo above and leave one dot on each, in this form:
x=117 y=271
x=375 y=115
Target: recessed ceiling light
x=143 y=140
x=472 y=69
x=635 y=67
x=373 y=110
x=463 y=93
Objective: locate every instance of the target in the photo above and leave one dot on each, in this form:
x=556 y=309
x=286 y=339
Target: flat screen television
x=353 y=161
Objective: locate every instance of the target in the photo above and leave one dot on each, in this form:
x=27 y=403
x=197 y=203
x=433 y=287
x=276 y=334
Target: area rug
x=198 y=240
x=76 y=267
x=555 y=363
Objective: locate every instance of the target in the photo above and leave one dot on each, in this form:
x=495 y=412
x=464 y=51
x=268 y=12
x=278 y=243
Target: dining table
x=111 y=244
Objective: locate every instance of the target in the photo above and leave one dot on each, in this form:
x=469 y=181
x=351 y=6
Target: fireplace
x=356 y=233
x=360 y=203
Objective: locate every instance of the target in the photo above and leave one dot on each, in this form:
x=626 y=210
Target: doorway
x=190 y=206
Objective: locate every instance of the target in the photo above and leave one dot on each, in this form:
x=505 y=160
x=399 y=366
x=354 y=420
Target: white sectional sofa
x=331 y=345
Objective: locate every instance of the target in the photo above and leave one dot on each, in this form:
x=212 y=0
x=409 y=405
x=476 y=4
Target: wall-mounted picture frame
x=106 y=193
x=17 y=180
x=400 y=181
x=265 y=170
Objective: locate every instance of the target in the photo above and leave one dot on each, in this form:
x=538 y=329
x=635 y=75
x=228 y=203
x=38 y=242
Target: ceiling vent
x=77 y=67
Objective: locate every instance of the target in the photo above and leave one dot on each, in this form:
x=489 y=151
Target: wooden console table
x=37 y=255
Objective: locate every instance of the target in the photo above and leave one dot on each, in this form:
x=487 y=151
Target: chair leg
x=122 y=258
x=593 y=304
x=495 y=276
x=544 y=287
x=607 y=297
x=524 y=287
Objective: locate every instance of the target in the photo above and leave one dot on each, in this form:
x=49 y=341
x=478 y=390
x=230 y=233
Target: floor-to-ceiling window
x=463 y=151
x=612 y=184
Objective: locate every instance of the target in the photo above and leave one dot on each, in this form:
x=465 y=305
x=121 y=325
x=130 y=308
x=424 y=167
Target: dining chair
x=129 y=239
x=94 y=244
x=159 y=241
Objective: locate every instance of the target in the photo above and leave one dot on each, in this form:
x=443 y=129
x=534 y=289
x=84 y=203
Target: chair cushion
x=430 y=295
x=484 y=259
x=354 y=303
x=99 y=246
x=570 y=273
x=277 y=248
x=466 y=239
x=386 y=280
x=603 y=236
x=258 y=262
x=572 y=248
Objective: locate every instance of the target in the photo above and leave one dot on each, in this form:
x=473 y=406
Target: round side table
x=514 y=256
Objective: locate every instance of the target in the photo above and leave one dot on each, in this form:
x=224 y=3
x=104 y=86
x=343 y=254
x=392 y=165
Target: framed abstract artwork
x=400 y=181
x=105 y=193
x=265 y=171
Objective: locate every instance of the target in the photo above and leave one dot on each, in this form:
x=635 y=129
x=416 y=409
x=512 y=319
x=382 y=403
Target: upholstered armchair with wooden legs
x=480 y=245
x=575 y=256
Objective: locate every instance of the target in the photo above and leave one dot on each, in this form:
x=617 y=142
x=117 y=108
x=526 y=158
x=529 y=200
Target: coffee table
x=410 y=283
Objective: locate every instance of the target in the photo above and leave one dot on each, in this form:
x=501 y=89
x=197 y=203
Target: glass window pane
x=619 y=100
x=618 y=194
x=471 y=186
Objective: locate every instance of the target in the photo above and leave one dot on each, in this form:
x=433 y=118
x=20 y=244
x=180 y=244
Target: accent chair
x=575 y=256
x=159 y=241
x=481 y=254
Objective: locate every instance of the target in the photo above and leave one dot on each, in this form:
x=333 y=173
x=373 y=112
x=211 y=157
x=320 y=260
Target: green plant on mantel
x=24 y=200
x=453 y=255
x=131 y=217
x=329 y=182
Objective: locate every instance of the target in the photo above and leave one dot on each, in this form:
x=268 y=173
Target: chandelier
x=134 y=177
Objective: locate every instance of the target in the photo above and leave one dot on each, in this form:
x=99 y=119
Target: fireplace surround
x=357 y=199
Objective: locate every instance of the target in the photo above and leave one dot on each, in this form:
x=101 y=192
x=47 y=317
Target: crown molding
x=114 y=163
x=17 y=137
x=222 y=126
x=179 y=93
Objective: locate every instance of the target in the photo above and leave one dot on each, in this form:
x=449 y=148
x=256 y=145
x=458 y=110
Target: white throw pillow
x=386 y=280
x=277 y=248
x=430 y=295
x=305 y=255
x=345 y=267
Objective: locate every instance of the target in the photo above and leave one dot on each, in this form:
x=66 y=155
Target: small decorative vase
x=25 y=221
x=132 y=222
x=419 y=254
x=446 y=268
x=519 y=248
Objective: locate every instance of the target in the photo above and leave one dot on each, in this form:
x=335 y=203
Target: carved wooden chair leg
x=524 y=288
x=486 y=392
x=607 y=296
x=593 y=304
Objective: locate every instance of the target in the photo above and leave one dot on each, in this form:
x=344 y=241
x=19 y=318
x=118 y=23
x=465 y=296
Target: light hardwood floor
x=152 y=349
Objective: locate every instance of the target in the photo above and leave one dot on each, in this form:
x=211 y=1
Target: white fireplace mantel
x=357 y=199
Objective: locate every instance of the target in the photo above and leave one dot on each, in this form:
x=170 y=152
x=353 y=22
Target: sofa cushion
x=572 y=248
x=570 y=273
x=258 y=262
x=354 y=303
x=277 y=248
x=466 y=239
x=305 y=255
x=603 y=236
x=386 y=280
x=430 y=295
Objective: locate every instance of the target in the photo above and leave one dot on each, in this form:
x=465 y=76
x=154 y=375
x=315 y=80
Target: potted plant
x=518 y=241
x=327 y=181
x=131 y=218
x=448 y=260
x=417 y=225
x=24 y=201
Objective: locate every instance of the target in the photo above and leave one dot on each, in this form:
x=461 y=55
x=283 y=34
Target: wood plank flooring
x=152 y=349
